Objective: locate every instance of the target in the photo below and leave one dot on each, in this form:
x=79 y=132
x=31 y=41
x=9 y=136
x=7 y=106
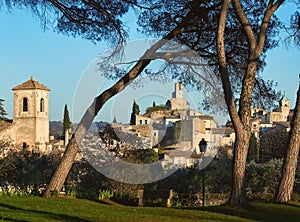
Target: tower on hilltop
x=31 y=113
x=285 y=105
x=179 y=90
x=177 y=102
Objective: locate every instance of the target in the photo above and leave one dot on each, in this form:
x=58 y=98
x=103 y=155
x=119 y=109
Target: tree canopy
x=200 y=33
x=93 y=20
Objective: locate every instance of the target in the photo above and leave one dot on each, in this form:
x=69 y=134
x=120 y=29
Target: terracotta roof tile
x=31 y=84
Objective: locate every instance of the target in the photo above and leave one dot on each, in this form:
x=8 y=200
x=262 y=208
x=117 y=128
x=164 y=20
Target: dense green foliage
x=29 y=172
x=156 y=108
x=26 y=171
x=263 y=177
x=135 y=111
x=66 y=120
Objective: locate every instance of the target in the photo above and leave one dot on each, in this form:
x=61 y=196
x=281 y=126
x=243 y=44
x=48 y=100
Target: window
x=24 y=145
x=180 y=86
x=146 y=122
x=42 y=105
x=141 y=121
x=25 y=104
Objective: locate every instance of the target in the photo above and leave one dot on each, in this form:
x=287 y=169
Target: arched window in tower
x=25 y=104
x=42 y=105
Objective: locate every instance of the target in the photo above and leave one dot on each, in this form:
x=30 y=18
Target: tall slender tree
x=135 y=111
x=66 y=120
x=241 y=117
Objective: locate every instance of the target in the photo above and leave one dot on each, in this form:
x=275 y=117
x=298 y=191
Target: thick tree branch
x=265 y=24
x=229 y=98
x=245 y=23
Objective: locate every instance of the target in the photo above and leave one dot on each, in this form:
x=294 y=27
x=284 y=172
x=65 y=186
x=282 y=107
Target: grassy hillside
x=66 y=209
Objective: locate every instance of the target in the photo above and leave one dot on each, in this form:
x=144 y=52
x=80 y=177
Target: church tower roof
x=31 y=84
x=285 y=98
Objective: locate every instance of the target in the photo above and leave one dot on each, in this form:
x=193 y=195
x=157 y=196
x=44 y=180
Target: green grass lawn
x=67 y=209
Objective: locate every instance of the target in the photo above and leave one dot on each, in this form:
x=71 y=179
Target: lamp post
x=203 y=146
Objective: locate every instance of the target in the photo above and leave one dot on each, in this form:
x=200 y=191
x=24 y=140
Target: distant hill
x=56 y=127
x=96 y=126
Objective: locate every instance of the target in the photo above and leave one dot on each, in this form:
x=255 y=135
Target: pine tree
x=3 y=113
x=135 y=111
x=66 y=121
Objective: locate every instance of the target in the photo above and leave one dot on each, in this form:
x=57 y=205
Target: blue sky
x=59 y=62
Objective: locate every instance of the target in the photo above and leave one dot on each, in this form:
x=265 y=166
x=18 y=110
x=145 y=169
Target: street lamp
x=203 y=146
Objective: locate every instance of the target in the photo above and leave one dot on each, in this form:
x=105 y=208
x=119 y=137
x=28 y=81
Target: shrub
x=263 y=177
x=54 y=193
x=156 y=108
x=105 y=194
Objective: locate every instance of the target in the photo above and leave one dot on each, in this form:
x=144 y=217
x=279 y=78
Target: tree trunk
x=241 y=120
x=63 y=168
x=288 y=171
x=238 y=195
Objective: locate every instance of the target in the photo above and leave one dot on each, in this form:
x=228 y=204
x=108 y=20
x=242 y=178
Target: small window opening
x=42 y=105
x=25 y=104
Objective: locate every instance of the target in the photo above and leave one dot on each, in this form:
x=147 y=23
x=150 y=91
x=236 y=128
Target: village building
x=282 y=113
x=177 y=128
x=30 y=125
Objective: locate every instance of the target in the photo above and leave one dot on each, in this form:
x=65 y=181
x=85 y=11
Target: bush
x=263 y=177
x=156 y=108
x=105 y=194
x=26 y=171
x=54 y=193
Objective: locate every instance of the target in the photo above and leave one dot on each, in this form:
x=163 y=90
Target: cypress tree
x=135 y=111
x=66 y=121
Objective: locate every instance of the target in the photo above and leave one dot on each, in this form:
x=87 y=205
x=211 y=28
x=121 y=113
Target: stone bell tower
x=31 y=113
x=285 y=105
